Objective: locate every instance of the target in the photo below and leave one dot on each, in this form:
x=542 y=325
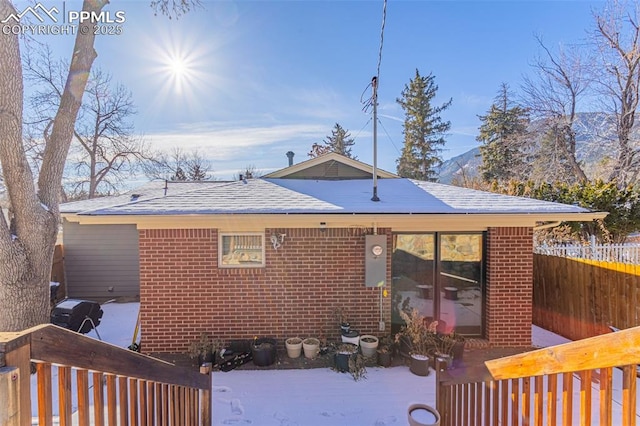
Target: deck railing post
x=15 y=353
x=205 y=398
x=10 y=391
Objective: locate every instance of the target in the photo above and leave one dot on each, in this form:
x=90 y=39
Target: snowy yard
x=307 y=397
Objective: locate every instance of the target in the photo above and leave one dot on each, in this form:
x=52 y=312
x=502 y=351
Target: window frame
x=262 y=250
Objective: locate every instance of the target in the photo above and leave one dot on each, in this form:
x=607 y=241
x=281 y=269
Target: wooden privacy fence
x=581 y=298
x=590 y=381
x=109 y=385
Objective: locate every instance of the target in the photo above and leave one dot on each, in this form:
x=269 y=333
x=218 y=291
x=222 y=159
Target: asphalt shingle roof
x=280 y=196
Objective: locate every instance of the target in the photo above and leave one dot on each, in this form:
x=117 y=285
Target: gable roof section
x=300 y=196
x=330 y=166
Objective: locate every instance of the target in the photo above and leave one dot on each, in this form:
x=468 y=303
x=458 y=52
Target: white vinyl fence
x=623 y=253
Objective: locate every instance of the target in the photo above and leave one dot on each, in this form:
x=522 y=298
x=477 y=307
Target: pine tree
x=339 y=141
x=423 y=129
x=179 y=175
x=502 y=135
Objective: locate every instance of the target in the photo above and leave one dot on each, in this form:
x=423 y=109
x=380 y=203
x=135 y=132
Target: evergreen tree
x=179 y=175
x=502 y=136
x=339 y=141
x=423 y=129
x=196 y=172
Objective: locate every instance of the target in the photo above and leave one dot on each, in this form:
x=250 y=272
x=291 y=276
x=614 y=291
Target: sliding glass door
x=440 y=275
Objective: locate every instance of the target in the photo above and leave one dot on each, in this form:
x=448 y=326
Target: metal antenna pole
x=374 y=86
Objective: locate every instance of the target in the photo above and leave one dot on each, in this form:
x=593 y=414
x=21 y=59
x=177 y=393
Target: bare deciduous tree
x=26 y=246
x=617 y=38
x=552 y=96
x=106 y=151
x=249 y=172
x=27 y=243
x=178 y=165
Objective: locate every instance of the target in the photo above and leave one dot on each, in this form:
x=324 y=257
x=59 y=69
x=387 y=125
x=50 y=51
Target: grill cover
x=70 y=313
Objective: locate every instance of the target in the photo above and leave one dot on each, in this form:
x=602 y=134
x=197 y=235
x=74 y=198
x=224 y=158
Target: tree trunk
x=26 y=247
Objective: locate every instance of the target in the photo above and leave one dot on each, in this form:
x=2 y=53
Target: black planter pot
x=263 y=351
x=419 y=366
x=342 y=362
x=384 y=358
x=202 y=358
x=342 y=357
x=457 y=351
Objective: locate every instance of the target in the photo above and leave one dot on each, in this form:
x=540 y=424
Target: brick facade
x=183 y=292
x=509 y=287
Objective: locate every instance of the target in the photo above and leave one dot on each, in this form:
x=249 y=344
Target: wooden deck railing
x=109 y=385
x=590 y=381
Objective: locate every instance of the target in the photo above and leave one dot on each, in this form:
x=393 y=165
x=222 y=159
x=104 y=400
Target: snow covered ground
x=305 y=397
x=323 y=397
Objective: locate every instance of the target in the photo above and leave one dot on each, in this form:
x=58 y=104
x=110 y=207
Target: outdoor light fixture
x=323 y=226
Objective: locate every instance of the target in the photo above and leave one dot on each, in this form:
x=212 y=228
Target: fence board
x=579 y=299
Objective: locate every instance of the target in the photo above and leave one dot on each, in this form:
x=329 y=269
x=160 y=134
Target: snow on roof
x=281 y=196
x=254 y=196
x=149 y=190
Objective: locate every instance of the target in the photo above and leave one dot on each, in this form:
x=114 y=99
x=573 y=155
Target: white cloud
x=234 y=143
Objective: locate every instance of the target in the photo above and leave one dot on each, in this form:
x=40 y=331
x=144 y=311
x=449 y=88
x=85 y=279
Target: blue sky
x=263 y=78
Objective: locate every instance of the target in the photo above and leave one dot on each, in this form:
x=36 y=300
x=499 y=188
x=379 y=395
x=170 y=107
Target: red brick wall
x=183 y=292
x=509 y=296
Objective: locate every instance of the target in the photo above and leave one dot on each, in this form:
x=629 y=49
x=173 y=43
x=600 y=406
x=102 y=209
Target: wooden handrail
x=556 y=385
x=607 y=350
x=146 y=380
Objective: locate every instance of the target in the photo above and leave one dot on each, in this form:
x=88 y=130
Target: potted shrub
x=263 y=351
x=384 y=356
x=347 y=359
x=202 y=349
x=385 y=351
x=344 y=351
x=449 y=348
x=311 y=347
x=421 y=339
x=294 y=347
x=340 y=315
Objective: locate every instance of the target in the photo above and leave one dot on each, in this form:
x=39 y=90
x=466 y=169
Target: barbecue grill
x=77 y=315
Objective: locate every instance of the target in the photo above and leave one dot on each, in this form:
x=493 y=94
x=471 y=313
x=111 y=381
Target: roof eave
x=407 y=221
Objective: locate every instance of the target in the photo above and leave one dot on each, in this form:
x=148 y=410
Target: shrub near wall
x=183 y=292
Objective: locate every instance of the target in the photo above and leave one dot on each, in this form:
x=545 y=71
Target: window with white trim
x=241 y=250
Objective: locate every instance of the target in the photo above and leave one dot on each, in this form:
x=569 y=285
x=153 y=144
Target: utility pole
x=374 y=99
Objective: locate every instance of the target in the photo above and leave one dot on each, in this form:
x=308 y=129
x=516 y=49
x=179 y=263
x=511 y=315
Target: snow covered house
x=275 y=256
